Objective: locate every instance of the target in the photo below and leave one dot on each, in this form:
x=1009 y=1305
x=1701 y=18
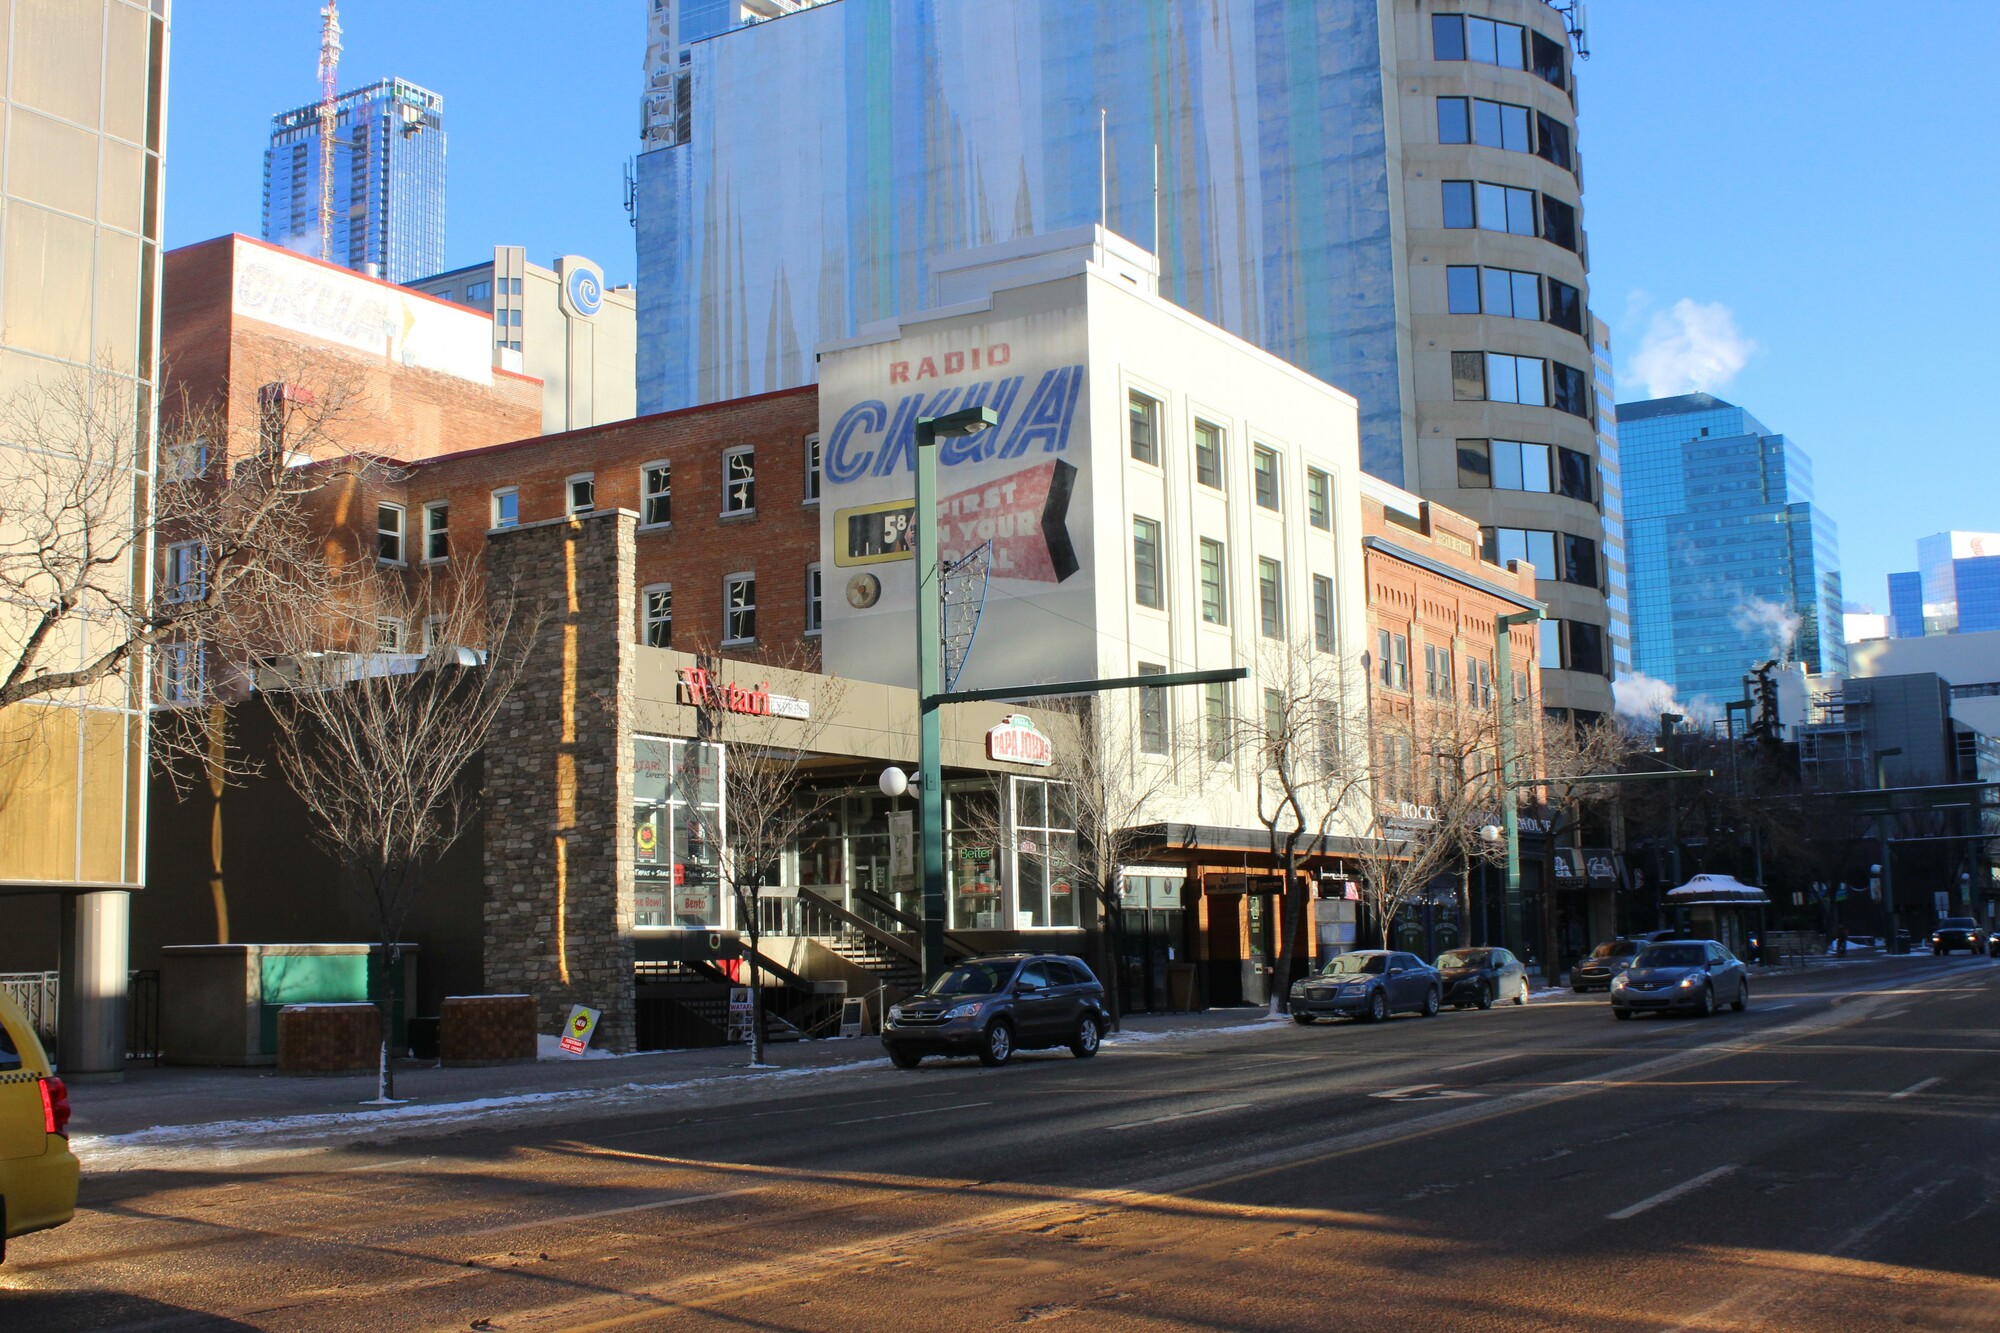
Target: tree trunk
x=385 y=1072
x=1113 y=935
x=1291 y=915
x=756 y=980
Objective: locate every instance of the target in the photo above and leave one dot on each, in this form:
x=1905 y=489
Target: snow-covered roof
x=1717 y=889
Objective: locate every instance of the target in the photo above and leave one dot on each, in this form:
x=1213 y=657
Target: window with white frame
x=1214 y=582
x=434 y=633
x=1153 y=724
x=181 y=673
x=656 y=494
x=580 y=493
x=506 y=507
x=1324 y=634
x=185 y=578
x=656 y=603
x=388 y=634
x=437 y=530
x=812 y=469
x=1148 y=588
x=183 y=460
x=389 y=534
x=1208 y=454
x=1143 y=431
x=1270 y=598
x=1319 y=499
x=739 y=481
x=1215 y=721
x=1264 y=472
x=739 y=608
x=815 y=601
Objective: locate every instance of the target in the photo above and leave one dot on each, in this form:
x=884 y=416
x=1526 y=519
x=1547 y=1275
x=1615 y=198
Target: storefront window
x=678 y=824
x=1045 y=866
x=973 y=863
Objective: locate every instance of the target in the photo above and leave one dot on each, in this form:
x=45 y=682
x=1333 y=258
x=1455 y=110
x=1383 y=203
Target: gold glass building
x=84 y=99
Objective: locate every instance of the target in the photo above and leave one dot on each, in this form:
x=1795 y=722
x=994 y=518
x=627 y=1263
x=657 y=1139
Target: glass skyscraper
x=388 y=181
x=1730 y=562
x=1955 y=588
x=1385 y=196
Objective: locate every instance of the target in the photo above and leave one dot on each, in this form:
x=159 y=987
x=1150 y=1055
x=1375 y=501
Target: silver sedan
x=1691 y=975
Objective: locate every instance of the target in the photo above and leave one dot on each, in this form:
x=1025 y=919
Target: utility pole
x=1510 y=815
x=1884 y=827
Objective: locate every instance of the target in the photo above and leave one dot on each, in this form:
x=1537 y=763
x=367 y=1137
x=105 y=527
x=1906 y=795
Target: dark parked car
x=1694 y=975
x=1369 y=984
x=992 y=1007
x=1481 y=977
x=1957 y=932
x=1606 y=961
x=1993 y=942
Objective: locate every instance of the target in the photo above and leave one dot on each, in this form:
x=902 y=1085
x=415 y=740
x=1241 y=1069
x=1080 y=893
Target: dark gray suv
x=992 y=1007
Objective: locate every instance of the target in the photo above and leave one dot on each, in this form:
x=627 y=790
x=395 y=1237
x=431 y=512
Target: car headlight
x=1618 y=982
x=1690 y=978
x=895 y=1013
x=966 y=1010
x=1298 y=988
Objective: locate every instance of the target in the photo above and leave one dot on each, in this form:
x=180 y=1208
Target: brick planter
x=329 y=1039
x=486 y=1030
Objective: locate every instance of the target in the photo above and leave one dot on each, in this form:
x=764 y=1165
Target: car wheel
x=1742 y=1000
x=1485 y=996
x=1707 y=1000
x=1521 y=996
x=1431 y=1003
x=1577 y=989
x=1305 y=1020
x=1620 y=1012
x=904 y=1059
x=998 y=1047
x=1088 y=1034
x=1378 y=1008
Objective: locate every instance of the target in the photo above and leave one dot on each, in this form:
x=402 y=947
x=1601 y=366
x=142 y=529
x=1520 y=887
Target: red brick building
x=727 y=499
x=239 y=317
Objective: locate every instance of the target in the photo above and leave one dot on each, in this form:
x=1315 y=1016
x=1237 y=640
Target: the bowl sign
x=1015 y=740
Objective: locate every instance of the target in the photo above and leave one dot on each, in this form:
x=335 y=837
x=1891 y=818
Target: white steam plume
x=1691 y=348
x=1640 y=699
x=1774 y=622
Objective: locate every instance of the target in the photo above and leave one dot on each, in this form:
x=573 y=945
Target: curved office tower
x=1384 y=193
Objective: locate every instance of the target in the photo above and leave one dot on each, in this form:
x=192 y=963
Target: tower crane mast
x=329 y=65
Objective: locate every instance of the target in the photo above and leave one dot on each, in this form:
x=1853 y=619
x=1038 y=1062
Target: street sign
x=577 y=1032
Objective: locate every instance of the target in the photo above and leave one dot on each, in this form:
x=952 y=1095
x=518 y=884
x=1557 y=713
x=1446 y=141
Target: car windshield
x=1615 y=949
x=1673 y=955
x=1355 y=964
x=1958 y=923
x=972 y=979
x=1465 y=958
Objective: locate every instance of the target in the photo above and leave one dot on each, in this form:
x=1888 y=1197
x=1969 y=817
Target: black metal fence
x=39 y=994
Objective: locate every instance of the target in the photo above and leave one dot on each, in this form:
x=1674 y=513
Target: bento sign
x=1016 y=741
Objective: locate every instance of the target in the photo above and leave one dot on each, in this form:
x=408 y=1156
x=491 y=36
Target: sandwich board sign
x=578 y=1031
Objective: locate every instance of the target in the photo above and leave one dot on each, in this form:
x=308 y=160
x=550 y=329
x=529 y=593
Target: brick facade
x=695 y=551
x=558 y=806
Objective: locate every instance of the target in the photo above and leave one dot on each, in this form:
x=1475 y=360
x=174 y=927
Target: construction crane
x=329 y=64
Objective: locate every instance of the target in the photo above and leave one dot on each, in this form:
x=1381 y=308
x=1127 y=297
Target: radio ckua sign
x=1023 y=486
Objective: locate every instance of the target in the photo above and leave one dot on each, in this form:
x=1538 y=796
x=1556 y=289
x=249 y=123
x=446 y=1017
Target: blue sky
x=1790 y=206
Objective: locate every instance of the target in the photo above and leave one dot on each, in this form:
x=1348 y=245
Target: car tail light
x=55 y=1107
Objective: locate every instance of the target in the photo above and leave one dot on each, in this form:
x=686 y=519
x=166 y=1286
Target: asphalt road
x=1824 y=1161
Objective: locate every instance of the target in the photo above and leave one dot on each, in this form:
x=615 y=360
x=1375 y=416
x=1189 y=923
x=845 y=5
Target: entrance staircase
x=891 y=967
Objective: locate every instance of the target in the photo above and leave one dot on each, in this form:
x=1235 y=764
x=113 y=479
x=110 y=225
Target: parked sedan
x=1606 y=961
x=1481 y=977
x=1957 y=932
x=37 y=1170
x=1369 y=984
x=1693 y=975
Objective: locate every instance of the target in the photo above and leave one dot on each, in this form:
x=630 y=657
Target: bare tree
x=1434 y=788
x=228 y=520
x=767 y=749
x=375 y=742
x=1305 y=737
x=1117 y=757
x=1569 y=754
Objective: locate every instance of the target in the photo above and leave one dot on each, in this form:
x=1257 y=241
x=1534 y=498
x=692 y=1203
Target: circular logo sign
x=582 y=287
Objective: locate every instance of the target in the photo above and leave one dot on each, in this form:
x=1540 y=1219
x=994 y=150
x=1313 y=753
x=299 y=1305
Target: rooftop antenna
x=329 y=64
x=1103 y=174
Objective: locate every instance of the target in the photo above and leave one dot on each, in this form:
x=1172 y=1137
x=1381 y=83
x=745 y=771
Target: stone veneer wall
x=558 y=784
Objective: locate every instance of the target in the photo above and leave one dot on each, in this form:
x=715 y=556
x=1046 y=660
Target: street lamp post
x=1883 y=830
x=930 y=668
x=1510 y=816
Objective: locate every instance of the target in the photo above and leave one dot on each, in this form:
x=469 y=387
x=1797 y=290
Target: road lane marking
x=1393 y=1093
x=928 y=1110
x=1474 y=1064
x=528 y=1224
x=1185 y=1115
x=1669 y=1195
x=1914 y=1089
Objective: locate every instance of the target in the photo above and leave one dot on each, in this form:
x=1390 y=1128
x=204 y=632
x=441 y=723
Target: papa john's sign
x=1016 y=740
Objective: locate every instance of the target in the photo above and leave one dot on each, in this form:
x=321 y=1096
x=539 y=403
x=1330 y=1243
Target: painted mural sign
x=1016 y=740
x=1022 y=485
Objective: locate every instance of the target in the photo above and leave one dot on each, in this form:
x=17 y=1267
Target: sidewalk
x=166 y=1106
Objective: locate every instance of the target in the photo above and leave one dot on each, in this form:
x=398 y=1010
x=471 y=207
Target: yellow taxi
x=37 y=1169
